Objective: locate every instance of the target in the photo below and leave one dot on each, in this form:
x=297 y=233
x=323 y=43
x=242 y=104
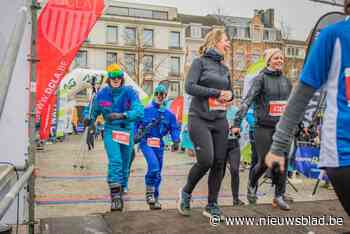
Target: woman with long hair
x=209 y=84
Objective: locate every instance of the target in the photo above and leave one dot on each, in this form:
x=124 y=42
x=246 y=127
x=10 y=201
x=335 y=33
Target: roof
x=203 y=20
x=295 y=42
x=233 y=20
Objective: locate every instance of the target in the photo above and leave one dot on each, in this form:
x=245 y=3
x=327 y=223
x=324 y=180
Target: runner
x=120 y=107
x=209 y=84
x=328 y=66
x=269 y=93
x=156 y=124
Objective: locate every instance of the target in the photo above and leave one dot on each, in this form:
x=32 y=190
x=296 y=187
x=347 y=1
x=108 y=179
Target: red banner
x=177 y=107
x=63 y=26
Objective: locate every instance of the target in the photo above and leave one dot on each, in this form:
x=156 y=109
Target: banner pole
x=34 y=6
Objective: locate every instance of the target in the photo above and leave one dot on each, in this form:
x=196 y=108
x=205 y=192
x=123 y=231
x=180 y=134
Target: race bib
x=347 y=85
x=276 y=108
x=215 y=104
x=121 y=137
x=153 y=142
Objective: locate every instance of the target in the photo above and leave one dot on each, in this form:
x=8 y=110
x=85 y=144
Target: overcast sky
x=300 y=15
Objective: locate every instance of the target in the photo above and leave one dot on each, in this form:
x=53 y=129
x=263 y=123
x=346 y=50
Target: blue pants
x=118 y=159
x=154 y=158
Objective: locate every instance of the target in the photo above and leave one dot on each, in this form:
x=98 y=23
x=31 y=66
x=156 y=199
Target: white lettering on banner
x=76 y=4
x=51 y=87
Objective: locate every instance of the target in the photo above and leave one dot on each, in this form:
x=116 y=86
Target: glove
x=176 y=146
x=116 y=116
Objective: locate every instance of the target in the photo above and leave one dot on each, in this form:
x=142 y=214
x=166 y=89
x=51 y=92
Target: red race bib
x=276 y=108
x=347 y=85
x=153 y=142
x=215 y=104
x=121 y=137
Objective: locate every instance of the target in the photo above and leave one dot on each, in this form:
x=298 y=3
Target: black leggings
x=263 y=141
x=340 y=177
x=234 y=159
x=210 y=143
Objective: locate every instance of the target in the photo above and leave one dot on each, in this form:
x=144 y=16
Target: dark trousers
x=234 y=159
x=340 y=177
x=210 y=143
x=254 y=153
x=263 y=140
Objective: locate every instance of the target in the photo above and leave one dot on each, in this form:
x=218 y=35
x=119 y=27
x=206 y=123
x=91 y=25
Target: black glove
x=116 y=116
x=176 y=146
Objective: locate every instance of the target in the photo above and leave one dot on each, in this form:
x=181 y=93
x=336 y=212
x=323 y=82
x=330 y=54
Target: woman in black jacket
x=269 y=92
x=208 y=81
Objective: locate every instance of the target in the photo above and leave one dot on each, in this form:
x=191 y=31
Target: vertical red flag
x=177 y=107
x=63 y=26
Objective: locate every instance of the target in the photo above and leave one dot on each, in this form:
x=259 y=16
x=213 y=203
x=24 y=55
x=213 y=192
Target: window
x=118 y=11
x=140 y=13
x=175 y=66
x=205 y=32
x=196 y=32
x=129 y=61
x=232 y=32
x=174 y=40
x=243 y=33
x=269 y=35
x=174 y=89
x=148 y=63
x=111 y=58
x=130 y=36
x=148 y=87
x=257 y=35
x=239 y=61
x=81 y=59
x=112 y=34
x=293 y=73
x=148 y=37
x=162 y=15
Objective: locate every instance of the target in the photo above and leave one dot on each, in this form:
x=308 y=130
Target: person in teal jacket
x=121 y=108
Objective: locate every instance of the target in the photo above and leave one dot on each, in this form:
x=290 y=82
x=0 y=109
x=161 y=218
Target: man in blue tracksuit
x=121 y=108
x=157 y=123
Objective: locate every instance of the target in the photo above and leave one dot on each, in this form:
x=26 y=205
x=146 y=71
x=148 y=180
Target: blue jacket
x=118 y=100
x=168 y=123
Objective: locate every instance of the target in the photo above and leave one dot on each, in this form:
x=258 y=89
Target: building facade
x=148 y=41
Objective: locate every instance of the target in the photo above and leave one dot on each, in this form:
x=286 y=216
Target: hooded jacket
x=267 y=86
x=206 y=78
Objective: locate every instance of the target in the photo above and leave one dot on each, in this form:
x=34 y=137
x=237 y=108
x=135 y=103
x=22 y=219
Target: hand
x=225 y=96
x=115 y=116
x=271 y=158
x=235 y=131
x=306 y=131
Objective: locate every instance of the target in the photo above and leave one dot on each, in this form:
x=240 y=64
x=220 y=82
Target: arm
x=136 y=111
x=174 y=129
x=253 y=92
x=95 y=111
x=291 y=118
x=193 y=88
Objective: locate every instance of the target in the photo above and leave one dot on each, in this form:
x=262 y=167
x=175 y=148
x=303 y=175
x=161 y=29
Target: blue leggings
x=154 y=158
x=118 y=159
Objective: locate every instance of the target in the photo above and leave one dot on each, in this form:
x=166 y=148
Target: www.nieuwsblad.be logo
x=66 y=23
